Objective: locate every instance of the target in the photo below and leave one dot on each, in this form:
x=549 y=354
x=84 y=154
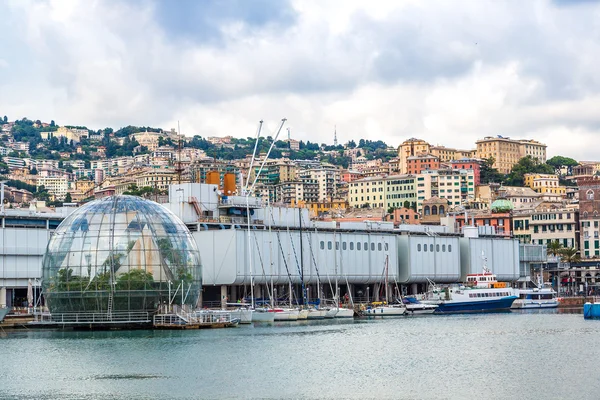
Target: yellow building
x=409 y=148
x=507 y=152
x=322 y=207
x=545 y=183
x=446 y=154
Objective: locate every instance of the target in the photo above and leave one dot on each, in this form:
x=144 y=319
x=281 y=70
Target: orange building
x=403 y=216
x=426 y=162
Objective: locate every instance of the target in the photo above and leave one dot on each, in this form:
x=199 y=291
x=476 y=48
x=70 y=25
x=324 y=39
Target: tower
x=335 y=142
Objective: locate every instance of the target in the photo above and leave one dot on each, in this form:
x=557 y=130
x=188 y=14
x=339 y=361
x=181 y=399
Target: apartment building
x=382 y=192
x=327 y=178
x=545 y=184
x=56 y=185
x=422 y=162
x=409 y=148
x=456 y=186
x=507 y=152
x=589 y=216
x=446 y=154
x=545 y=224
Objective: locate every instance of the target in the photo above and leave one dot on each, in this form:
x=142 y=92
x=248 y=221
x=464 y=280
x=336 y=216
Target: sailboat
x=385 y=309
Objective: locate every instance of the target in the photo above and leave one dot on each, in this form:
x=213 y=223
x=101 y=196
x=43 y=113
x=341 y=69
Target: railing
x=92 y=318
x=182 y=318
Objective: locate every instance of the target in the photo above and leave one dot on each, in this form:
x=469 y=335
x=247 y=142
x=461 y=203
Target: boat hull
x=385 y=311
x=244 y=315
x=316 y=314
x=534 y=304
x=344 y=313
x=286 y=315
x=331 y=313
x=303 y=314
x=417 y=309
x=263 y=316
x=492 y=305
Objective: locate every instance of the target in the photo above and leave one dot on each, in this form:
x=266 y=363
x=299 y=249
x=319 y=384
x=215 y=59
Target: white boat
x=481 y=293
x=316 y=313
x=303 y=314
x=262 y=315
x=331 y=313
x=386 y=311
x=414 y=306
x=243 y=312
x=535 y=298
x=285 y=314
x=344 y=313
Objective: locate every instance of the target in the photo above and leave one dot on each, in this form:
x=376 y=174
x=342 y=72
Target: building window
x=425 y=248
x=590 y=194
x=419 y=247
x=343 y=245
x=351 y=245
x=358 y=246
x=379 y=247
x=443 y=248
x=366 y=246
x=437 y=248
x=372 y=246
x=322 y=245
x=329 y=245
x=431 y=248
x=449 y=248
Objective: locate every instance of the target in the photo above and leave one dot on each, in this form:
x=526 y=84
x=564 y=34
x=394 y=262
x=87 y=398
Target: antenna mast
x=335 y=142
x=178 y=169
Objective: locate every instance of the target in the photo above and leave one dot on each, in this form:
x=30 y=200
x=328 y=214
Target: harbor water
x=514 y=355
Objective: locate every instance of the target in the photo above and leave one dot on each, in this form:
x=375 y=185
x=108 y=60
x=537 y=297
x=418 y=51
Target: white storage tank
x=502 y=257
x=428 y=257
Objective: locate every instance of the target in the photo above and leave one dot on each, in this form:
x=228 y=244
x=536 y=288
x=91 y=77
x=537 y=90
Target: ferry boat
x=481 y=293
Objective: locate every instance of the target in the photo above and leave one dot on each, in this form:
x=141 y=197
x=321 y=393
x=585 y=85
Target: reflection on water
x=503 y=356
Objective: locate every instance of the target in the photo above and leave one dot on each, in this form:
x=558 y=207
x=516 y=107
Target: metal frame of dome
x=121 y=254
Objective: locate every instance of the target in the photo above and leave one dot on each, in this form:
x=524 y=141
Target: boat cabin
x=485 y=280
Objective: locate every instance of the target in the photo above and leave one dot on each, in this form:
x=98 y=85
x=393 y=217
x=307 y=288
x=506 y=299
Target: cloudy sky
x=449 y=72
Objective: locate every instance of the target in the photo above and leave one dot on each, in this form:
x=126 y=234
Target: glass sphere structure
x=118 y=254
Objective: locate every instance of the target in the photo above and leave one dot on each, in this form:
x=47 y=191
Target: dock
x=205 y=319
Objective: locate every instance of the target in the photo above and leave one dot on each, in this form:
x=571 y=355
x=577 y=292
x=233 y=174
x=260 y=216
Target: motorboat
x=379 y=309
x=536 y=298
x=241 y=311
x=414 y=306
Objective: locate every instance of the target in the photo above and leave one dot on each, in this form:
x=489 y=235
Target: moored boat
x=344 y=313
x=3 y=312
x=285 y=314
x=262 y=315
x=385 y=310
x=481 y=293
x=414 y=306
x=536 y=298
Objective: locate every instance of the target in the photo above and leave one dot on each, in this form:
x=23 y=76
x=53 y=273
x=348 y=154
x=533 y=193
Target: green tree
x=33 y=171
x=5 y=119
x=68 y=198
x=557 y=162
x=569 y=255
x=554 y=248
x=406 y=204
x=489 y=174
x=527 y=165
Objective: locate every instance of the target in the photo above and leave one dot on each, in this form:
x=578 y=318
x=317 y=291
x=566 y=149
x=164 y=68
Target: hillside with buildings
x=508 y=184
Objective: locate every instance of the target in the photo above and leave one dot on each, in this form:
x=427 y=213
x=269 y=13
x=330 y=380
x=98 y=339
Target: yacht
x=380 y=309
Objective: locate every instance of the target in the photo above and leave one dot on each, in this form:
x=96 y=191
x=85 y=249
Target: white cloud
x=449 y=73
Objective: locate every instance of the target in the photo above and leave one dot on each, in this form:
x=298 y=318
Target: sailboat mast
x=302 y=260
x=387 y=297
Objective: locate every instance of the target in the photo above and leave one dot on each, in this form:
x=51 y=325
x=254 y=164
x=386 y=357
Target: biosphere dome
x=120 y=253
